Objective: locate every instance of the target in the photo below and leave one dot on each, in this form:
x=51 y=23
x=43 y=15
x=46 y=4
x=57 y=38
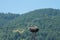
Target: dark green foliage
x=48 y=21
x=4 y=18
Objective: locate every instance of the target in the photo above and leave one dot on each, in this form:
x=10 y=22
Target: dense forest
x=15 y=26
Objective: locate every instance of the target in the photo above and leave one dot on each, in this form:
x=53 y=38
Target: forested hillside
x=16 y=28
x=4 y=18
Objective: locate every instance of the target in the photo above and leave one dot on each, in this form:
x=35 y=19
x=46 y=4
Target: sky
x=23 y=6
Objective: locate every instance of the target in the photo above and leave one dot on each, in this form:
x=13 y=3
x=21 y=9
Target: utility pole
x=34 y=29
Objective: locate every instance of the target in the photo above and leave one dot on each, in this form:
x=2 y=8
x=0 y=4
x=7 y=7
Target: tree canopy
x=15 y=26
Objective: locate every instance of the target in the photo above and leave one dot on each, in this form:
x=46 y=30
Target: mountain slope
x=48 y=21
x=4 y=18
x=42 y=16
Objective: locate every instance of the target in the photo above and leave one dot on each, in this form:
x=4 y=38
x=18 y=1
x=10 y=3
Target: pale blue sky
x=23 y=6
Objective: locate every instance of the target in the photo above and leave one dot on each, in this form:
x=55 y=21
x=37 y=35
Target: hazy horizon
x=23 y=6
